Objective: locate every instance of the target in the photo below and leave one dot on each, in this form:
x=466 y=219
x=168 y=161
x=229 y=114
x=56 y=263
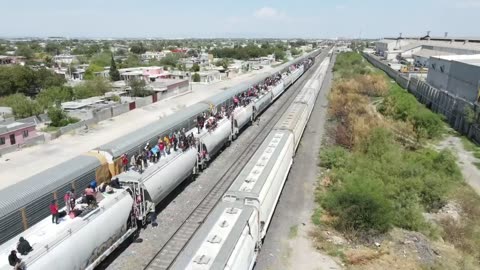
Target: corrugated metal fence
x=439 y=101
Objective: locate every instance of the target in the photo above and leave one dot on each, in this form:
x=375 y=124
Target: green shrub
x=332 y=157
x=360 y=204
x=407 y=182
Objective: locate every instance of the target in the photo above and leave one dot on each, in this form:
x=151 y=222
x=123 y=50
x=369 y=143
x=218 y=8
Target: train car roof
x=215 y=240
x=32 y=188
x=291 y=117
x=139 y=137
x=45 y=235
x=227 y=94
x=253 y=176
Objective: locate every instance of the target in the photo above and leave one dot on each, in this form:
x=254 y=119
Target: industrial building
x=457 y=74
x=419 y=50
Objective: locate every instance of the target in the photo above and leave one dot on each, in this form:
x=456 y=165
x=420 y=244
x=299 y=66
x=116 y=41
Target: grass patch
x=293 y=232
x=377 y=180
x=317 y=216
x=469 y=145
x=477 y=164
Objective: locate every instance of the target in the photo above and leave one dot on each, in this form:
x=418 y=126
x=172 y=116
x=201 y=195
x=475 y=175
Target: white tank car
x=262 y=102
x=287 y=80
x=242 y=115
x=215 y=139
x=260 y=182
x=278 y=90
x=78 y=243
x=164 y=176
x=228 y=239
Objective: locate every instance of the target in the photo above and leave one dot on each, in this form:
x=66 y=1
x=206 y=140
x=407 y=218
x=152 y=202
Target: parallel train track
x=175 y=244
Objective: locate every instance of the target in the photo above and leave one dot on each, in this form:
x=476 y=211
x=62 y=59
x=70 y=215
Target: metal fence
x=453 y=108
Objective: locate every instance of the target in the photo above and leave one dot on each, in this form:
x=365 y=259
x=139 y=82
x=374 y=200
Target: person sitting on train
x=23 y=247
x=90 y=195
x=14 y=261
x=115 y=183
x=102 y=187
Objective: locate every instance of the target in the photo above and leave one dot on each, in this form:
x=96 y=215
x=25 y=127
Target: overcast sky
x=239 y=18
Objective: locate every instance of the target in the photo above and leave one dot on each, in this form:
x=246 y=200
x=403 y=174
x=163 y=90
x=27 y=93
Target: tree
x=114 y=73
x=21 y=105
x=196 y=77
x=90 y=72
x=279 y=54
x=170 y=60
x=54 y=96
x=295 y=51
x=223 y=63
x=132 y=61
x=138 y=48
x=195 y=68
x=101 y=59
x=138 y=89
x=56 y=116
x=24 y=50
x=59 y=118
x=95 y=87
x=53 y=48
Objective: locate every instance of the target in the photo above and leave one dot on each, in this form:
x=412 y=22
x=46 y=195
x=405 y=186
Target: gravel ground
x=175 y=209
x=287 y=244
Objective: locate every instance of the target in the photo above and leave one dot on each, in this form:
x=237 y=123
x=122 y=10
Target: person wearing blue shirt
x=93 y=184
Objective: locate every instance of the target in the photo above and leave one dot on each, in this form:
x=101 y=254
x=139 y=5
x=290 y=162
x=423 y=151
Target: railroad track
x=175 y=244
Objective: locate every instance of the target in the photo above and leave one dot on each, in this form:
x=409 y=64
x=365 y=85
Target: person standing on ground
x=54 y=211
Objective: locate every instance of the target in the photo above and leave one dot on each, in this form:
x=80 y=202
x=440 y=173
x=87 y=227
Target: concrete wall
x=436 y=77
x=38 y=139
x=119 y=109
x=464 y=80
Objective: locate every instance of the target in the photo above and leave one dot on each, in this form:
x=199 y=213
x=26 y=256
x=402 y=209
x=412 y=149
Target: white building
x=153 y=55
x=64 y=59
x=457 y=74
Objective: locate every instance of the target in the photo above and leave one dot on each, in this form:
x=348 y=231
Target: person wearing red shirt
x=124 y=162
x=54 y=211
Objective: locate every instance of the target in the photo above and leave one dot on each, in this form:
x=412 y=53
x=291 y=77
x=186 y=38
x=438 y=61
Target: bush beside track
x=383 y=177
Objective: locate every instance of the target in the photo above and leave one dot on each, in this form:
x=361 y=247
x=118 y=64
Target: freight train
x=231 y=236
x=83 y=241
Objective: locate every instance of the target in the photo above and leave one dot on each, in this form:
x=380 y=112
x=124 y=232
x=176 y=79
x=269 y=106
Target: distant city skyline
x=239 y=19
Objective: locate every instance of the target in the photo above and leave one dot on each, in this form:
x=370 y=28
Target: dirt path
x=465 y=160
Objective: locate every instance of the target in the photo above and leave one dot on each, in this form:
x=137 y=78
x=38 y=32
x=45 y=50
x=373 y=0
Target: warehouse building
x=457 y=74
